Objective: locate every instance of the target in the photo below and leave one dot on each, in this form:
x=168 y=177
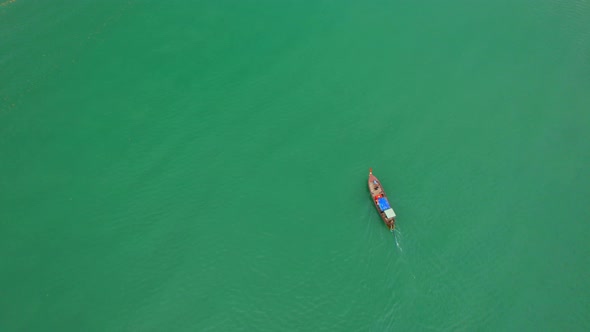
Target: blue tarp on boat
x=383 y=204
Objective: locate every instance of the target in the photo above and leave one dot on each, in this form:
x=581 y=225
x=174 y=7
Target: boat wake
x=396 y=239
x=399 y=239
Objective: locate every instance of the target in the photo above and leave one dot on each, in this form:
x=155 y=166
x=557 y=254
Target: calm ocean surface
x=202 y=165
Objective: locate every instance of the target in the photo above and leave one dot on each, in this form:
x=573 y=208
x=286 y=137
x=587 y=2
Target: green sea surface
x=202 y=165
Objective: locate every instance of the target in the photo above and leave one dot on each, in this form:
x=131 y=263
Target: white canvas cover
x=389 y=213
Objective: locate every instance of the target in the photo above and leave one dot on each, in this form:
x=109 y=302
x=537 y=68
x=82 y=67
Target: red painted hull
x=377 y=191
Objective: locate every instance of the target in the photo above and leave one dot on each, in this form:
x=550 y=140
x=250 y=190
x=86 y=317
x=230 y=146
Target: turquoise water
x=202 y=166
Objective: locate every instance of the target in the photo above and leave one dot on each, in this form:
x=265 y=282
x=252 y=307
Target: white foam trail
x=396 y=241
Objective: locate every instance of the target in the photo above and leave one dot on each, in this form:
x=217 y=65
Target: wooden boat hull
x=377 y=192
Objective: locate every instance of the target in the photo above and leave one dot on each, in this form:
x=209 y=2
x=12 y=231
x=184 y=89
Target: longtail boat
x=380 y=200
